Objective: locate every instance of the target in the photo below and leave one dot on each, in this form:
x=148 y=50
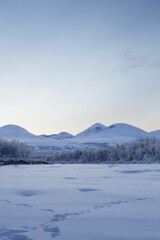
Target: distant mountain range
x=94 y=136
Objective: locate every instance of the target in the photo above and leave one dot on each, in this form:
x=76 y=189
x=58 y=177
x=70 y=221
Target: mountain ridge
x=97 y=135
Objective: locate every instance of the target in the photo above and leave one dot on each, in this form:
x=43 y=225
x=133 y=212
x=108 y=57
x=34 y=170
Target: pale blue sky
x=66 y=64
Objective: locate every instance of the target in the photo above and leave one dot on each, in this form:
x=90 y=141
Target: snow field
x=93 y=202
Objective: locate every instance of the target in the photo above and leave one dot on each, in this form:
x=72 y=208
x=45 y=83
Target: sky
x=67 y=64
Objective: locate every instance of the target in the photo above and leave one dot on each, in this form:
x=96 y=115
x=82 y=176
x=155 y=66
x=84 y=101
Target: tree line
x=145 y=150
x=142 y=151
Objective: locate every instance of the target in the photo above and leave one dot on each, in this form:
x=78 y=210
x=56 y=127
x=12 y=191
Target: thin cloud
x=133 y=61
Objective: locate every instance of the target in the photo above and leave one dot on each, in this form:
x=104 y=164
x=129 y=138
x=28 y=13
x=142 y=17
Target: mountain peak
x=11 y=126
x=14 y=132
x=95 y=128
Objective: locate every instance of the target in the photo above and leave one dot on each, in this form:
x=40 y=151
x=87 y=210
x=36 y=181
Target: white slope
x=116 y=133
x=155 y=134
x=60 y=136
x=94 y=129
x=14 y=132
x=122 y=130
x=127 y=130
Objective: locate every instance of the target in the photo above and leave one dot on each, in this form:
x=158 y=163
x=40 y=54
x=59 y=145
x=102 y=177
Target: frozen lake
x=80 y=202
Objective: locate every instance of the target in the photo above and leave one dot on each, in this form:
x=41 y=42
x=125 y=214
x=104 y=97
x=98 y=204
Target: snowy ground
x=80 y=202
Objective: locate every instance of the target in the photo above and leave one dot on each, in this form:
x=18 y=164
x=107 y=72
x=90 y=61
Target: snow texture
x=93 y=202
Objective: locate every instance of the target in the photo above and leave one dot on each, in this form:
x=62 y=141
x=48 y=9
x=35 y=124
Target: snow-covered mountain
x=94 y=136
x=15 y=132
x=127 y=130
x=60 y=136
x=89 y=132
x=122 y=130
x=116 y=133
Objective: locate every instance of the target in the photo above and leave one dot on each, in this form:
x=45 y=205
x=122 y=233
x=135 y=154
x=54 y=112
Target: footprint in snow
x=54 y=231
x=5 y=200
x=47 y=210
x=87 y=189
x=70 y=178
x=23 y=205
x=13 y=234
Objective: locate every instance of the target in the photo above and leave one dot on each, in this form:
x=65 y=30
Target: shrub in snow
x=14 y=149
